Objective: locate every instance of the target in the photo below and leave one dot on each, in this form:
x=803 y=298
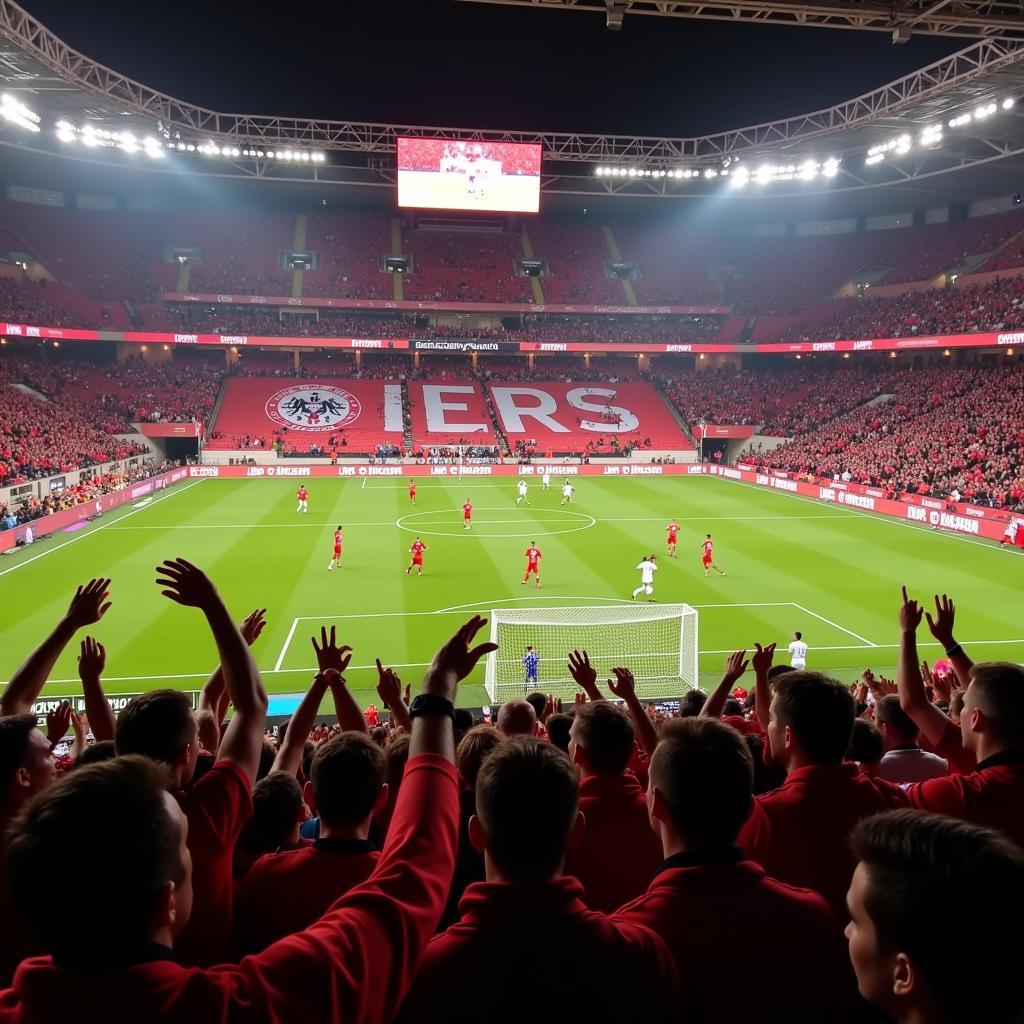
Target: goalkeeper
x=531 y=662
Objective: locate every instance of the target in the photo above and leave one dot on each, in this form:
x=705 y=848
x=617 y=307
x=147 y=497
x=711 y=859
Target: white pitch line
x=842 y=629
x=482 y=522
x=284 y=650
x=424 y=664
x=109 y=523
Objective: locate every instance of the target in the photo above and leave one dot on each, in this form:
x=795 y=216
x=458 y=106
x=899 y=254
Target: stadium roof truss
x=58 y=82
x=971 y=18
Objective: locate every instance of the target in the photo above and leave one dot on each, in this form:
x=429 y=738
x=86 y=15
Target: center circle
x=453 y=520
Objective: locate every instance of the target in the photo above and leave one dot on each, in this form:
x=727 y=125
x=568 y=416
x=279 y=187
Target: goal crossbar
x=657 y=642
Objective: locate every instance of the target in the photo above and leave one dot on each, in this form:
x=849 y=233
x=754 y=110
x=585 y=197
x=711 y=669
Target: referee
x=531 y=662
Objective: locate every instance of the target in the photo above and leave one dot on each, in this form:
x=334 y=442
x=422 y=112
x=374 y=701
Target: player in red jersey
x=336 y=559
x=416 y=550
x=533 y=557
x=467 y=515
x=708 y=557
x=673 y=536
x=303 y=495
x=412 y=491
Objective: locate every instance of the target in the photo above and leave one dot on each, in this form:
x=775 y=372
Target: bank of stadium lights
x=931 y=136
x=15 y=112
x=738 y=174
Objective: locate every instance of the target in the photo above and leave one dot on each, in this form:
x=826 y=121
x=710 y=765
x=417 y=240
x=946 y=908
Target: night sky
x=438 y=62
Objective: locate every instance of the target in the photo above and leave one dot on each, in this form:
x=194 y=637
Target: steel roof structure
x=58 y=82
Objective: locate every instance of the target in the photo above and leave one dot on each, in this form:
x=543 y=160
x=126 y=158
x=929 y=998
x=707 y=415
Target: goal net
x=658 y=642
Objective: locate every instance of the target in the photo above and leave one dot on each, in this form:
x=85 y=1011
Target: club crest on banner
x=316 y=409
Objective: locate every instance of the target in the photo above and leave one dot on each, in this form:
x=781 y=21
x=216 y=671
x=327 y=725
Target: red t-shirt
x=992 y=796
x=549 y=920
x=781 y=925
x=337 y=540
x=467 y=510
x=286 y=892
x=354 y=964
x=217 y=807
x=800 y=832
x=672 y=531
x=618 y=854
x=532 y=555
x=303 y=494
x=417 y=550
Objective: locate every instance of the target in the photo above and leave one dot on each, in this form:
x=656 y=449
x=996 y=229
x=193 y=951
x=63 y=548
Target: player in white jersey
x=647 y=570
x=798 y=651
x=546 y=480
x=522 y=493
x=1010 y=533
x=567 y=492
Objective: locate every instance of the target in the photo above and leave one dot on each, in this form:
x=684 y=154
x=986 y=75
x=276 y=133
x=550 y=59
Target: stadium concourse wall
x=955 y=517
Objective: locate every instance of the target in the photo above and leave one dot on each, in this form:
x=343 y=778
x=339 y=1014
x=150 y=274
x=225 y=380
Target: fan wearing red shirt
x=902 y=914
x=336 y=559
x=467 y=515
x=286 y=892
x=701 y=778
x=673 y=536
x=355 y=963
x=527 y=813
x=416 y=549
x=160 y=725
x=27 y=764
x=618 y=853
x=992 y=727
x=412 y=491
x=799 y=833
x=533 y=557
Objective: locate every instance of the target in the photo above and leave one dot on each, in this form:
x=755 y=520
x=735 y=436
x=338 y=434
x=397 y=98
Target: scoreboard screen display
x=444 y=174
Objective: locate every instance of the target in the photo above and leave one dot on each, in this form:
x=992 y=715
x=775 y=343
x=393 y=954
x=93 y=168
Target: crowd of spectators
x=849 y=836
x=996 y=306
x=94 y=487
x=947 y=432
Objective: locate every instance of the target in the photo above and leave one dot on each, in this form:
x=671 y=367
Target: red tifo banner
x=986 y=340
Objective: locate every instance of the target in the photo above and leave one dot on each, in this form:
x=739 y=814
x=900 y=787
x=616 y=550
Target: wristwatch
x=431 y=704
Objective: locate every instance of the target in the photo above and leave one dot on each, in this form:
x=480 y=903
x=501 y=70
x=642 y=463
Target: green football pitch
x=833 y=573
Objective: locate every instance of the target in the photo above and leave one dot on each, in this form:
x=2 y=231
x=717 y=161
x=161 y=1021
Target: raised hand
x=92 y=660
x=455 y=660
x=89 y=604
x=763 y=657
x=389 y=686
x=623 y=685
x=941 y=626
x=329 y=655
x=884 y=687
x=57 y=722
x=579 y=699
x=910 y=614
x=736 y=666
x=186 y=584
x=584 y=674
x=252 y=625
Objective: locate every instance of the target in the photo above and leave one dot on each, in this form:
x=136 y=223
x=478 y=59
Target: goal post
x=658 y=642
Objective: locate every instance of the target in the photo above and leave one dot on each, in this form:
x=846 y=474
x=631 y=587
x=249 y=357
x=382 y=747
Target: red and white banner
x=987 y=340
x=169 y=429
x=444 y=412
x=713 y=430
x=309 y=408
x=69 y=517
x=560 y=415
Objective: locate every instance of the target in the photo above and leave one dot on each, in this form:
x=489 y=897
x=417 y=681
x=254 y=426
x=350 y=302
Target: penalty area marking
x=589 y=521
